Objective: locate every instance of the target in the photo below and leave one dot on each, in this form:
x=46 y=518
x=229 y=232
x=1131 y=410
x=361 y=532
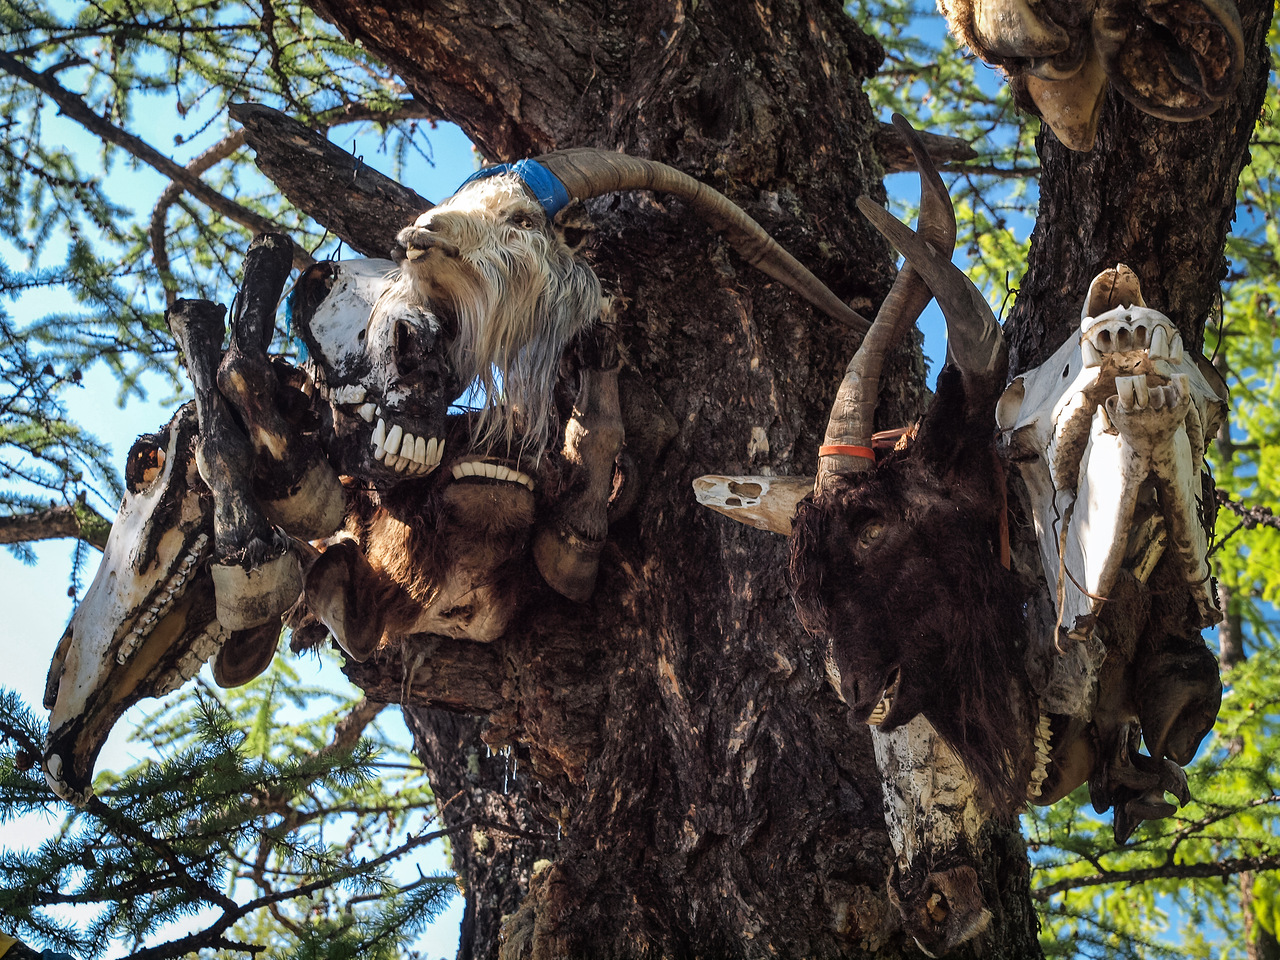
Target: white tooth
x=415 y=253
x=406 y=446
x=1141 y=391
x=1159 y=341
x=401 y=464
x=367 y=411
x=352 y=393
x=1125 y=388
x=1090 y=353
x=54 y=766
x=490 y=470
x=500 y=472
x=420 y=451
x=527 y=481
x=457 y=471
x=468 y=469
x=1181 y=385
x=439 y=451
x=432 y=456
x=394 y=436
x=391 y=460
x=379 y=439
x=1175 y=349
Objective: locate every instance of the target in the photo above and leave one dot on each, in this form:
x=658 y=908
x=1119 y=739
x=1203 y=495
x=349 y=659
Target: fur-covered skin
x=491 y=261
x=901 y=569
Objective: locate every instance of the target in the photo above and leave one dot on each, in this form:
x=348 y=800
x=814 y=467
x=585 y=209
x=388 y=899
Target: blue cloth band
x=542 y=183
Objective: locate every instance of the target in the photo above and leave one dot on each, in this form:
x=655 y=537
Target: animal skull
x=383 y=371
x=1109 y=435
x=147 y=622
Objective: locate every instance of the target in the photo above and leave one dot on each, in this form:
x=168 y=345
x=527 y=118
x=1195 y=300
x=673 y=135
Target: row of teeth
x=1118 y=336
x=1042 y=742
x=1136 y=394
x=203 y=647
x=880 y=712
x=164 y=597
x=403 y=452
x=494 y=471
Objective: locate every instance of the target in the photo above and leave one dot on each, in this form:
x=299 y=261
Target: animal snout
x=419 y=241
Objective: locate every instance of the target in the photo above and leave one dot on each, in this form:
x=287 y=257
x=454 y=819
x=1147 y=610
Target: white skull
x=1110 y=435
x=385 y=372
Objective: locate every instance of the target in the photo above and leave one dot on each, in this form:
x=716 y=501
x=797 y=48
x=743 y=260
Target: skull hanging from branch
x=1177 y=61
x=1109 y=435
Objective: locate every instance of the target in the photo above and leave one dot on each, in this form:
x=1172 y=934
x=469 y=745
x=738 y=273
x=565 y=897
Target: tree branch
x=78 y=520
x=1171 y=871
x=74 y=107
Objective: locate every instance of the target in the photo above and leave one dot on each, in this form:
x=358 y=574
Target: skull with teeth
x=384 y=372
x=1109 y=435
x=147 y=623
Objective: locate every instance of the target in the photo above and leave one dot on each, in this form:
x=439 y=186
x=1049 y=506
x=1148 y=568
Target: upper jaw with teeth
x=395 y=443
x=399 y=449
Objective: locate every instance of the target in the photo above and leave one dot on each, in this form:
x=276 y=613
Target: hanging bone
x=1109 y=436
x=255 y=571
x=1174 y=60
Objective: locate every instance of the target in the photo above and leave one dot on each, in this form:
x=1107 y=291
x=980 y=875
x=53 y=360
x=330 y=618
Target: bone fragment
x=767 y=503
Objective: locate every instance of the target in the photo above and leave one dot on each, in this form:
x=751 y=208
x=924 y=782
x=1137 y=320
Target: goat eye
x=523 y=221
x=870 y=534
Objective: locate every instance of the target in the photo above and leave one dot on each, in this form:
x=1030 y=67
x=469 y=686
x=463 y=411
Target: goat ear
x=573 y=226
x=807 y=564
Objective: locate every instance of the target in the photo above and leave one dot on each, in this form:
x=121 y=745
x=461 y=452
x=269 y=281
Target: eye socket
x=144 y=463
x=870 y=533
x=524 y=221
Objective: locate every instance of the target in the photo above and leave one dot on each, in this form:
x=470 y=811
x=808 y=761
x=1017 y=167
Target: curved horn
x=853 y=411
x=586 y=172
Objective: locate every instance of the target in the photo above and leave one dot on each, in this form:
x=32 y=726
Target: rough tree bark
x=713 y=798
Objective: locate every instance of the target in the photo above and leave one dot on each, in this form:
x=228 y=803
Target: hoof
x=250 y=598
x=569 y=563
x=315 y=508
x=245 y=654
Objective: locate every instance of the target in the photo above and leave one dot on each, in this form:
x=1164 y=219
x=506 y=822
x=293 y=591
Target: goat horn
x=586 y=172
x=853 y=411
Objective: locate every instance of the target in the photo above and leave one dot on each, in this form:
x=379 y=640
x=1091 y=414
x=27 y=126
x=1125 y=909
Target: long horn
x=974 y=341
x=846 y=449
x=586 y=172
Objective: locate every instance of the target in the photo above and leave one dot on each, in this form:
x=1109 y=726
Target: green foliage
x=248 y=825
x=109 y=269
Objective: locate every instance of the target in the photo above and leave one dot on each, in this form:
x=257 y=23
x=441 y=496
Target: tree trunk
x=714 y=799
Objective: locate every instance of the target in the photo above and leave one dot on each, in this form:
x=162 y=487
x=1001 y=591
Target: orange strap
x=845 y=450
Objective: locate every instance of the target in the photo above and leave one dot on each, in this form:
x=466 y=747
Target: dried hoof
x=1071 y=106
x=314 y=508
x=336 y=584
x=249 y=598
x=1173 y=59
x=569 y=563
x=245 y=654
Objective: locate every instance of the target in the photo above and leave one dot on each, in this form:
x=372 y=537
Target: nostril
x=408 y=356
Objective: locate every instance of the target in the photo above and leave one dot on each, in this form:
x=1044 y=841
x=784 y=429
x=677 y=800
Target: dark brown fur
x=900 y=568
